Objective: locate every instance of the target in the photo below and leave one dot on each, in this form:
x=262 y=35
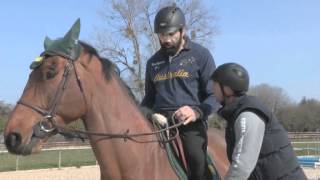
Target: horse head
x=53 y=94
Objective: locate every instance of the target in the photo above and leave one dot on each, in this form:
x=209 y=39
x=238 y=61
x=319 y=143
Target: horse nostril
x=13 y=140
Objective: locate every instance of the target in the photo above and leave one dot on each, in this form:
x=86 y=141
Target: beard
x=171 y=49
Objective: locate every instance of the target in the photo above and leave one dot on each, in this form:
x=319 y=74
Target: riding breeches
x=194 y=139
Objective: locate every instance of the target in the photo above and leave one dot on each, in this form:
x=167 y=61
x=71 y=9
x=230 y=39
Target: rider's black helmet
x=169 y=19
x=233 y=75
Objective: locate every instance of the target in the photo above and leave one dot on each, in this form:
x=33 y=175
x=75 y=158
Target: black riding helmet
x=169 y=19
x=233 y=75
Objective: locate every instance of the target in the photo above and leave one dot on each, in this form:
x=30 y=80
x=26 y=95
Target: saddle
x=174 y=148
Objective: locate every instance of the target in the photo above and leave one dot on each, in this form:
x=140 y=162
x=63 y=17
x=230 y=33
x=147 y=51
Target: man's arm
x=208 y=104
x=249 y=132
x=207 y=67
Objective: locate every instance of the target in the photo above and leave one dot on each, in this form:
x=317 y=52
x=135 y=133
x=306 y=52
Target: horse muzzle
x=13 y=142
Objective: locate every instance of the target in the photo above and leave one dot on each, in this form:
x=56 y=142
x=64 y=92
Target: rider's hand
x=186 y=114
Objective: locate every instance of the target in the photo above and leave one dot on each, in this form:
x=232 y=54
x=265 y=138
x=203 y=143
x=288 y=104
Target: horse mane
x=108 y=68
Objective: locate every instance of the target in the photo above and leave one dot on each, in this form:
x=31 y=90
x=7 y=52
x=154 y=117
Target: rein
x=48 y=116
x=125 y=136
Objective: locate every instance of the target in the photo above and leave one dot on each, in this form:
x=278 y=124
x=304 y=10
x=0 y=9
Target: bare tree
x=128 y=38
x=301 y=117
x=273 y=97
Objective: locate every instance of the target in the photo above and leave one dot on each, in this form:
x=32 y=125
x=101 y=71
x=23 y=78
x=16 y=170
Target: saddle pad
x=179 y=170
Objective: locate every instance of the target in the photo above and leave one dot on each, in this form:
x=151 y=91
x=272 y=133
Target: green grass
x=308 y=148
x=47 y=159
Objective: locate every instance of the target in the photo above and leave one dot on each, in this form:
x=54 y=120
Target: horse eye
x=51 y=74
x=47 y=56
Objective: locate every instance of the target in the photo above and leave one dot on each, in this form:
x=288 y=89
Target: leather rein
x=48 y=125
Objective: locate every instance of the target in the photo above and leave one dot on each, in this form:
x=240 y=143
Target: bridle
x=48 y=126
x=48 y=116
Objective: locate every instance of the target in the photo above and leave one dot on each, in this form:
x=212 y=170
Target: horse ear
x=47 y=42
x=73 y=34
x=67 y=46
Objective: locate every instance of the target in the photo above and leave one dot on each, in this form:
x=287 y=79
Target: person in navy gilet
x=258 y=146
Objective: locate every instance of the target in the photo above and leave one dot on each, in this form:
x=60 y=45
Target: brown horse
x=55 y=94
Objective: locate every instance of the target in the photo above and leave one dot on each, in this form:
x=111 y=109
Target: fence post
x=17 y=163
x=318 y=147
x=59 y=162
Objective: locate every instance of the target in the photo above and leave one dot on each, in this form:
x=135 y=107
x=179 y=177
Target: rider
x=257 y=145
x=177 y=83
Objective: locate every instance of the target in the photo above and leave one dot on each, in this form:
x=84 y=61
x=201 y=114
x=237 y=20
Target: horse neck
x=112 y=111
